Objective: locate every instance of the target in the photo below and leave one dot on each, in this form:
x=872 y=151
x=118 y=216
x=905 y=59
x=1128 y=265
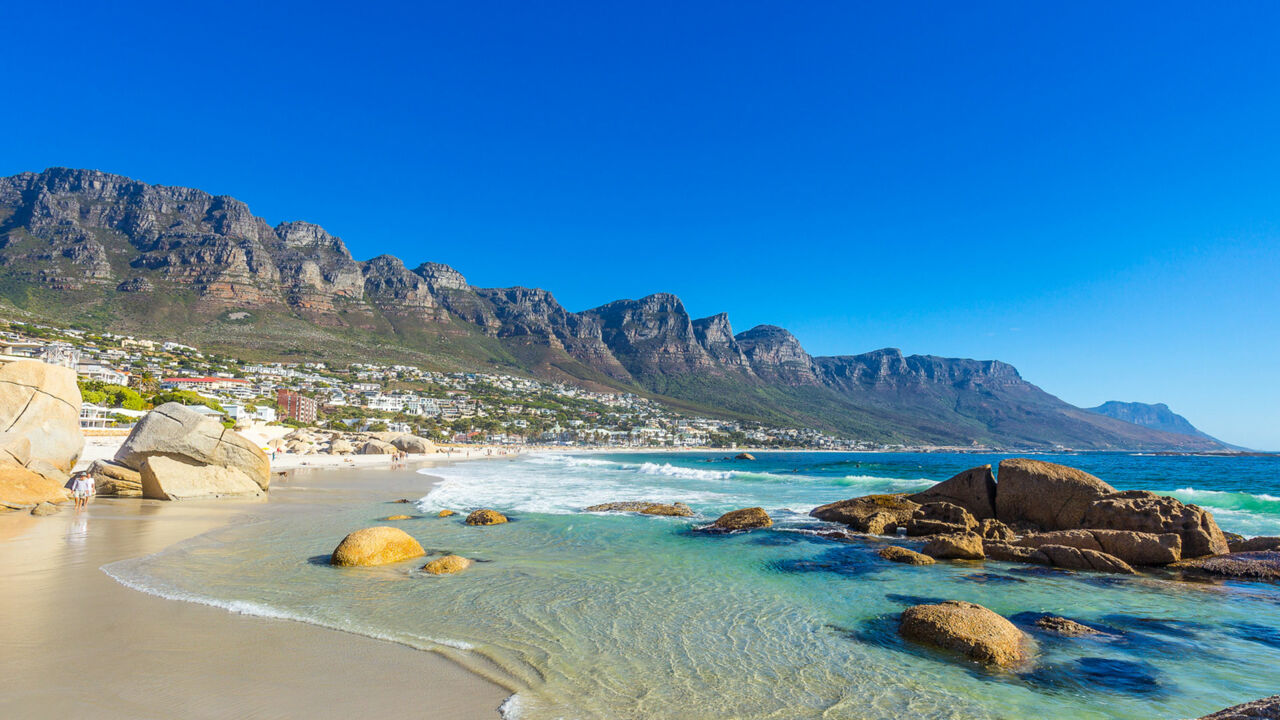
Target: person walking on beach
x=81 y=489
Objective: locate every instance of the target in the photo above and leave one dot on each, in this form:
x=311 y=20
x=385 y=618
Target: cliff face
x=176 y=262
x=1156 y=416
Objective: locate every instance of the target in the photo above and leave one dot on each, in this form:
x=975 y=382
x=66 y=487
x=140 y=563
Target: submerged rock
x=447 y=565
x=645 y=508
x=1063 y=626
x=1054 y=497
x=1254 y=565
x=446 y=513
x=903 y=555
x=486 y=517
x=957 y=546
x=744 y=456
x=875 y=514
x=1267 y=708
x=398 y=517
x=376 y=546
x=744 y=519
x=1143 y=511
x=974 y=490
x=966 y=628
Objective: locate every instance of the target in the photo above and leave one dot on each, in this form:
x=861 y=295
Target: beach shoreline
x=79 y=644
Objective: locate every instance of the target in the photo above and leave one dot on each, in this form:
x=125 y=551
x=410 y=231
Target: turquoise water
x=619 y=616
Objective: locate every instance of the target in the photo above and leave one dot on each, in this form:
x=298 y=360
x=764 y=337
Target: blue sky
x=1085 y=190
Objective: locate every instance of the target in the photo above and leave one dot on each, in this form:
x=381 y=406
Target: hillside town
x=122 y=376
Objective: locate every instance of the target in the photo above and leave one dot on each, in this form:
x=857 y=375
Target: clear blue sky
x=1090 y=191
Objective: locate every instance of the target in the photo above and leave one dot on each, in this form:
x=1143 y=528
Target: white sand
x=75 y=644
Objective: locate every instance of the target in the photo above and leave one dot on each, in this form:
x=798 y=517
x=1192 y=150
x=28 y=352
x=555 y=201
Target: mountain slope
x=1156 y=416
x=108 y=252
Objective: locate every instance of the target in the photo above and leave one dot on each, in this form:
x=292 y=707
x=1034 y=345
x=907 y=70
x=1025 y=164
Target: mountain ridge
x=112 y=252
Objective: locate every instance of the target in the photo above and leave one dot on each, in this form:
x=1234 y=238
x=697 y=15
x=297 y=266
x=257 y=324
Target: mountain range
x=111 y=253
x=1157 y=416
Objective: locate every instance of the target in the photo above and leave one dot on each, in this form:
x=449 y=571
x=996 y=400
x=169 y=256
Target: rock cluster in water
x=966 y=628
x=678 y=509
x=1041 y=512
x=486 y=517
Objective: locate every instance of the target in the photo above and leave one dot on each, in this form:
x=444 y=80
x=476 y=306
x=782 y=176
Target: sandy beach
x=77 y=644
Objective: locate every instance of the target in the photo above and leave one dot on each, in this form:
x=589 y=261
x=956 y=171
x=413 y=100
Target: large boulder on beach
x=377 y=447
x=744 y=519
x=968 y=629
x=341 y=447
x=21 y=488
x=956 y=546
x=1052 y=496
x=1267 y=708
x=875 y=514
x=413 y=444
x=112 y=478
x=167 y=478
x=40 y=414
x=1070 y=558
x=178 y=433
x=1135 y=548
x=1142 y=511
x=974 y=490
x=486 y=517
x=376 y=546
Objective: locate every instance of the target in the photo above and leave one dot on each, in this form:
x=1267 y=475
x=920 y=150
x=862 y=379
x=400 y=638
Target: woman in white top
x=81 y=489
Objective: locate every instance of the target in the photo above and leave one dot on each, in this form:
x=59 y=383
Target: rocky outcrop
x=744 y=519
x=974 y=490
x=1143 y=511
x=992 y=529
x=968 y=629
x=376 y=546
x=377 y=447
x=957 y=546
x=1254 y=565
x=39 y=429
x=935 y=518
x=44 y=509
x=775 y=354
x=113 y=479
x=1267 y=708
x=1254 y=544
x=875 y=514
x=1054 y=497
x=486 y=517
x=183 y=440
x=1006 y=552
x=903 y=555
x=447 y=565
x=644 y=508
x=1070 y=558
x=1135 y=548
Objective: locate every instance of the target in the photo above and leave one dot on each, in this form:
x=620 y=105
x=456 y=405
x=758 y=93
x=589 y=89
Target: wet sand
x=76 y=644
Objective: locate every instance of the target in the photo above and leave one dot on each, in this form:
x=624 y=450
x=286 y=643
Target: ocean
x=602 y=615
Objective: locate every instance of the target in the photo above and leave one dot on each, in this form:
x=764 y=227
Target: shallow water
x=618 y=616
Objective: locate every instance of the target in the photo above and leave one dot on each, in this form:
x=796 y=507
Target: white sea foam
x=676 y=471
x=511 y=707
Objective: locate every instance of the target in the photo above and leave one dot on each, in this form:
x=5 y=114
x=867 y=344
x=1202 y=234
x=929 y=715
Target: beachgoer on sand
x=82 y=489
